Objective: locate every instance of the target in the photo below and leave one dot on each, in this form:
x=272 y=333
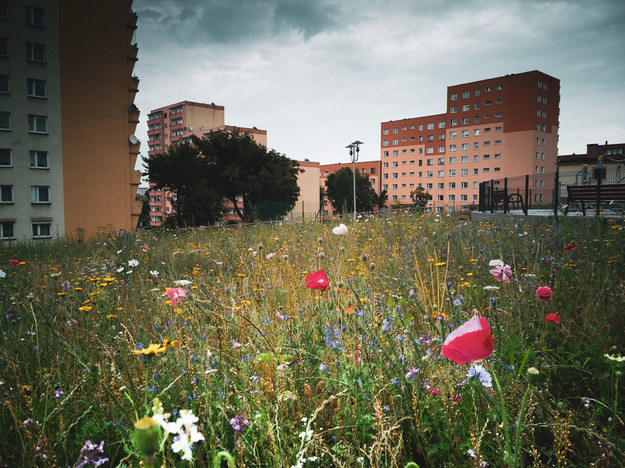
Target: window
x=465 y=147
x=4 y=83
x=429 y=150
x=175 y=110
x=420 y=127
x=385 y=143
x=385 y=131
x=453 y=122
x=477 y=106
x=452 y=185
x=452 y=198
x=453 y=97
x=498 y=142
x=465 y=133
x=453 y=109
x=464 y=197
x=441 y=161
x=464 y=172
x=441 y=136
x=488 y=89
x=394 y=187
x=441 y=149
x=487 y=116
x=385 y=187
x=429 y=174
x=394 y=175
x=384 y=165
x=36 y=88
x=486 y=143
x=428 y=186
x=6 y=159
x=452 y=147
x=466 y=94
x=39 y=194
x=477 y=92
x=396 y=141
x=476 y=171
x=395 y=130
x=395 y=163
x=404 y=127
x=497 y=169
x=497 y=155
x=486 y=169
x=430 y=126
x=439 y=198
x=452 y=172
x=466 y=108
x=441 y=125
x=464 y=185
x=453 y=135
x=5 y=120
x=464 y=159
x=6 y=194
x=440 y=185
x=476 y=119
x=498 y=115
x=372 y=170
x=476 y=158
x=499 y=87
x=35 y=52
x=487 y=130
x=498 y=129
x=430 y=137
x=7 y=230
x=37 y=124
x=452 y=160
x=39 y=160
x=385 y=176
x=385 y=154
x=42 y=229
x=441 y=174
x=395 y=152
x=465 y=121
x=34 y=16
x=486 y=156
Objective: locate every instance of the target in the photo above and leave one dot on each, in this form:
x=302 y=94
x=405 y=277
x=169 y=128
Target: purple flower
x=90 y=455
x=412 y=373
x=239 y=424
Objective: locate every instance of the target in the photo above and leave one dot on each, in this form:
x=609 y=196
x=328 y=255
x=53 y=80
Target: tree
x=265 y=181
x=382 y=199
x=420 y=197
x=340 y=191
x=184 y=171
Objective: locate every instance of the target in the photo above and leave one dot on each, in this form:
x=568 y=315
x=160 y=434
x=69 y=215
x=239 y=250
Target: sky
x=320 y=74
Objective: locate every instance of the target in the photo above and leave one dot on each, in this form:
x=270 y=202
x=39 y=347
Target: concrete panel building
x=67 y=118
x=494 y=128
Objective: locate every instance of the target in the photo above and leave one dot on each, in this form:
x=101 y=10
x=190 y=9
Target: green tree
x=382 y=199
x=184 y=171
x=260 y=184
x=340 y=191
x=420 y=197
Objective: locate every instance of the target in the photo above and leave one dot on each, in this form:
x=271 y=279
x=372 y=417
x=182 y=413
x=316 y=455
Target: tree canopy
x=231 y=166
x=420 y=197
x=340 y=191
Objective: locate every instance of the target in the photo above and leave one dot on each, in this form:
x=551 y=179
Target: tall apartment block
x=176 y=123
x=67 y=118
x=493 y=128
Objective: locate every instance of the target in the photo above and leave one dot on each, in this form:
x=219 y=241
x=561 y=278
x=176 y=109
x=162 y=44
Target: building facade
x=67 y=119
x=177 y=123
x=581 y=169
x=494 y=128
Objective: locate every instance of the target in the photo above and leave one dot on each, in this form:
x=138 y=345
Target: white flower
x=491 y=288
x=133 y=262
x=183 y=283
x=2 y=274
x=306 y=435
x=496 y=263
x=154 y=273
x=270 y=255
x=340 y=230
x=120 y=269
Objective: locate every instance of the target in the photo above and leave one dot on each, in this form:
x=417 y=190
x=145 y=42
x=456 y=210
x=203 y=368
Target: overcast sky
x=319 y=74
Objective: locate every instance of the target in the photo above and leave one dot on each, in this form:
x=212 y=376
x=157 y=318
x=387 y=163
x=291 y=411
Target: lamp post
x=354 y=149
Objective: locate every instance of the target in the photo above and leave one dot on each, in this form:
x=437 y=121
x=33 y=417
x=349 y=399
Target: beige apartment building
x=492 y=129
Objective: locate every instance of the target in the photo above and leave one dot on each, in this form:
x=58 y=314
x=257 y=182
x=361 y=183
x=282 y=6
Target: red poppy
x=435 y=392
x=570 y=246
x=14 y=262
x=470 y=342
x=555 y=318
x=544 y=293
x=317 y=280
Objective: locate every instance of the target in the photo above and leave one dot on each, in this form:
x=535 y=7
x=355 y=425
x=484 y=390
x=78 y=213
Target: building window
x=453 y=122
x=465 y=147
x=395 y=163
x=464 y=197
x=5 y=120
x=498 y=142
x=466 y=108
x=7 y=230
x=441 y=149
x=464 y=159
x=452 y=147
x=385 y=131
x=428 y=186
x=439 y=198
x=34 y=16
x=497 y=155
x=394 y=175
x=42 y=229
x=6 y=159
x=464 y=172
x=452 y=172
x=39 y=194
x=452 y=185
x=452 y=135
x=6 y=194
x=441 y=161
x=464 y=185
x=36 y=88
x=35 y=52
x=498 y=115
x=4 y=84
x=441 y=173
x=396 y=141
x=429 y=174
x=453 y=109
x=175 y=110
x=477 y=106
x=39 y=160
x=430 y=126
x=394 y=187
x=486 y=169
x=476 y=171
x=395 y=152
x=452 y=160
x=452 y=198
x=37 y=124
x=385 y=154
x=476 y=158
x=453 y=97
x=465 y=121
x=385 y=187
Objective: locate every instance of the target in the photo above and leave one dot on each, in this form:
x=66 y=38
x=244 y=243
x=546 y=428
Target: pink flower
x=544 y=293
x=176 y=295
x=555 y=318
x=501 y=272
x=317 y=280
x=14 y=262
x=470 y=342
x=435 y=392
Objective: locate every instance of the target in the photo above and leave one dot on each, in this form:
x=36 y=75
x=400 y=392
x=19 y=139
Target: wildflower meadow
x=405 y=340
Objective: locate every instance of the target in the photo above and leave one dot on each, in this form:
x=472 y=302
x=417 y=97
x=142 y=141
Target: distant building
x=67 y=118
x=494 y=128
x=372 y=169
x=177 y=123
x=580 y=169
x=307 y=205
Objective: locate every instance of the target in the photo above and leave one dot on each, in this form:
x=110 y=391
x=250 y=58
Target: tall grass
x=349 y=376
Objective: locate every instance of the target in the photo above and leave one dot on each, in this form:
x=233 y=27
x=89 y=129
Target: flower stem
x=504 y=417
x=517 y=439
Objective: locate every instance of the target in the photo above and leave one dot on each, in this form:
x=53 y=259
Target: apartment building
x=494 y=128
x=177 y=123
x=67 y=118
x=581 y=168
x=370 y=168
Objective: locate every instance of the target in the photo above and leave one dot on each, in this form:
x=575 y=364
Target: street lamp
x=354 y=149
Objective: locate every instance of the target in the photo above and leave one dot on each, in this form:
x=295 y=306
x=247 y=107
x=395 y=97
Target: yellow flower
x=83 y=308
x=152 y=350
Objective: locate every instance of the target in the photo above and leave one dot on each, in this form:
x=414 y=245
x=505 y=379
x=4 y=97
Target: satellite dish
x=190 y=128
x=133 y=108
x=133 y=140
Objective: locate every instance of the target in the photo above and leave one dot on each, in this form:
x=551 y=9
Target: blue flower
x=480 y=373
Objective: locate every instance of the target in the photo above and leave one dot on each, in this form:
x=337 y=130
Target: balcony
x=132 y=52
x=133 y=84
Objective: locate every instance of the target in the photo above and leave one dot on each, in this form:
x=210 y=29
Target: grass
x=349 y=376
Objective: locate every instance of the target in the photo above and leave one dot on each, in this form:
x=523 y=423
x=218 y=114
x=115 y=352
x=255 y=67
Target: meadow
x=211 y=348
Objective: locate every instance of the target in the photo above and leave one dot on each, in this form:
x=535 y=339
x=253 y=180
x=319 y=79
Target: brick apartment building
x=67 y=118
x=494 y=128
x=176 y=123
x=369 y=168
